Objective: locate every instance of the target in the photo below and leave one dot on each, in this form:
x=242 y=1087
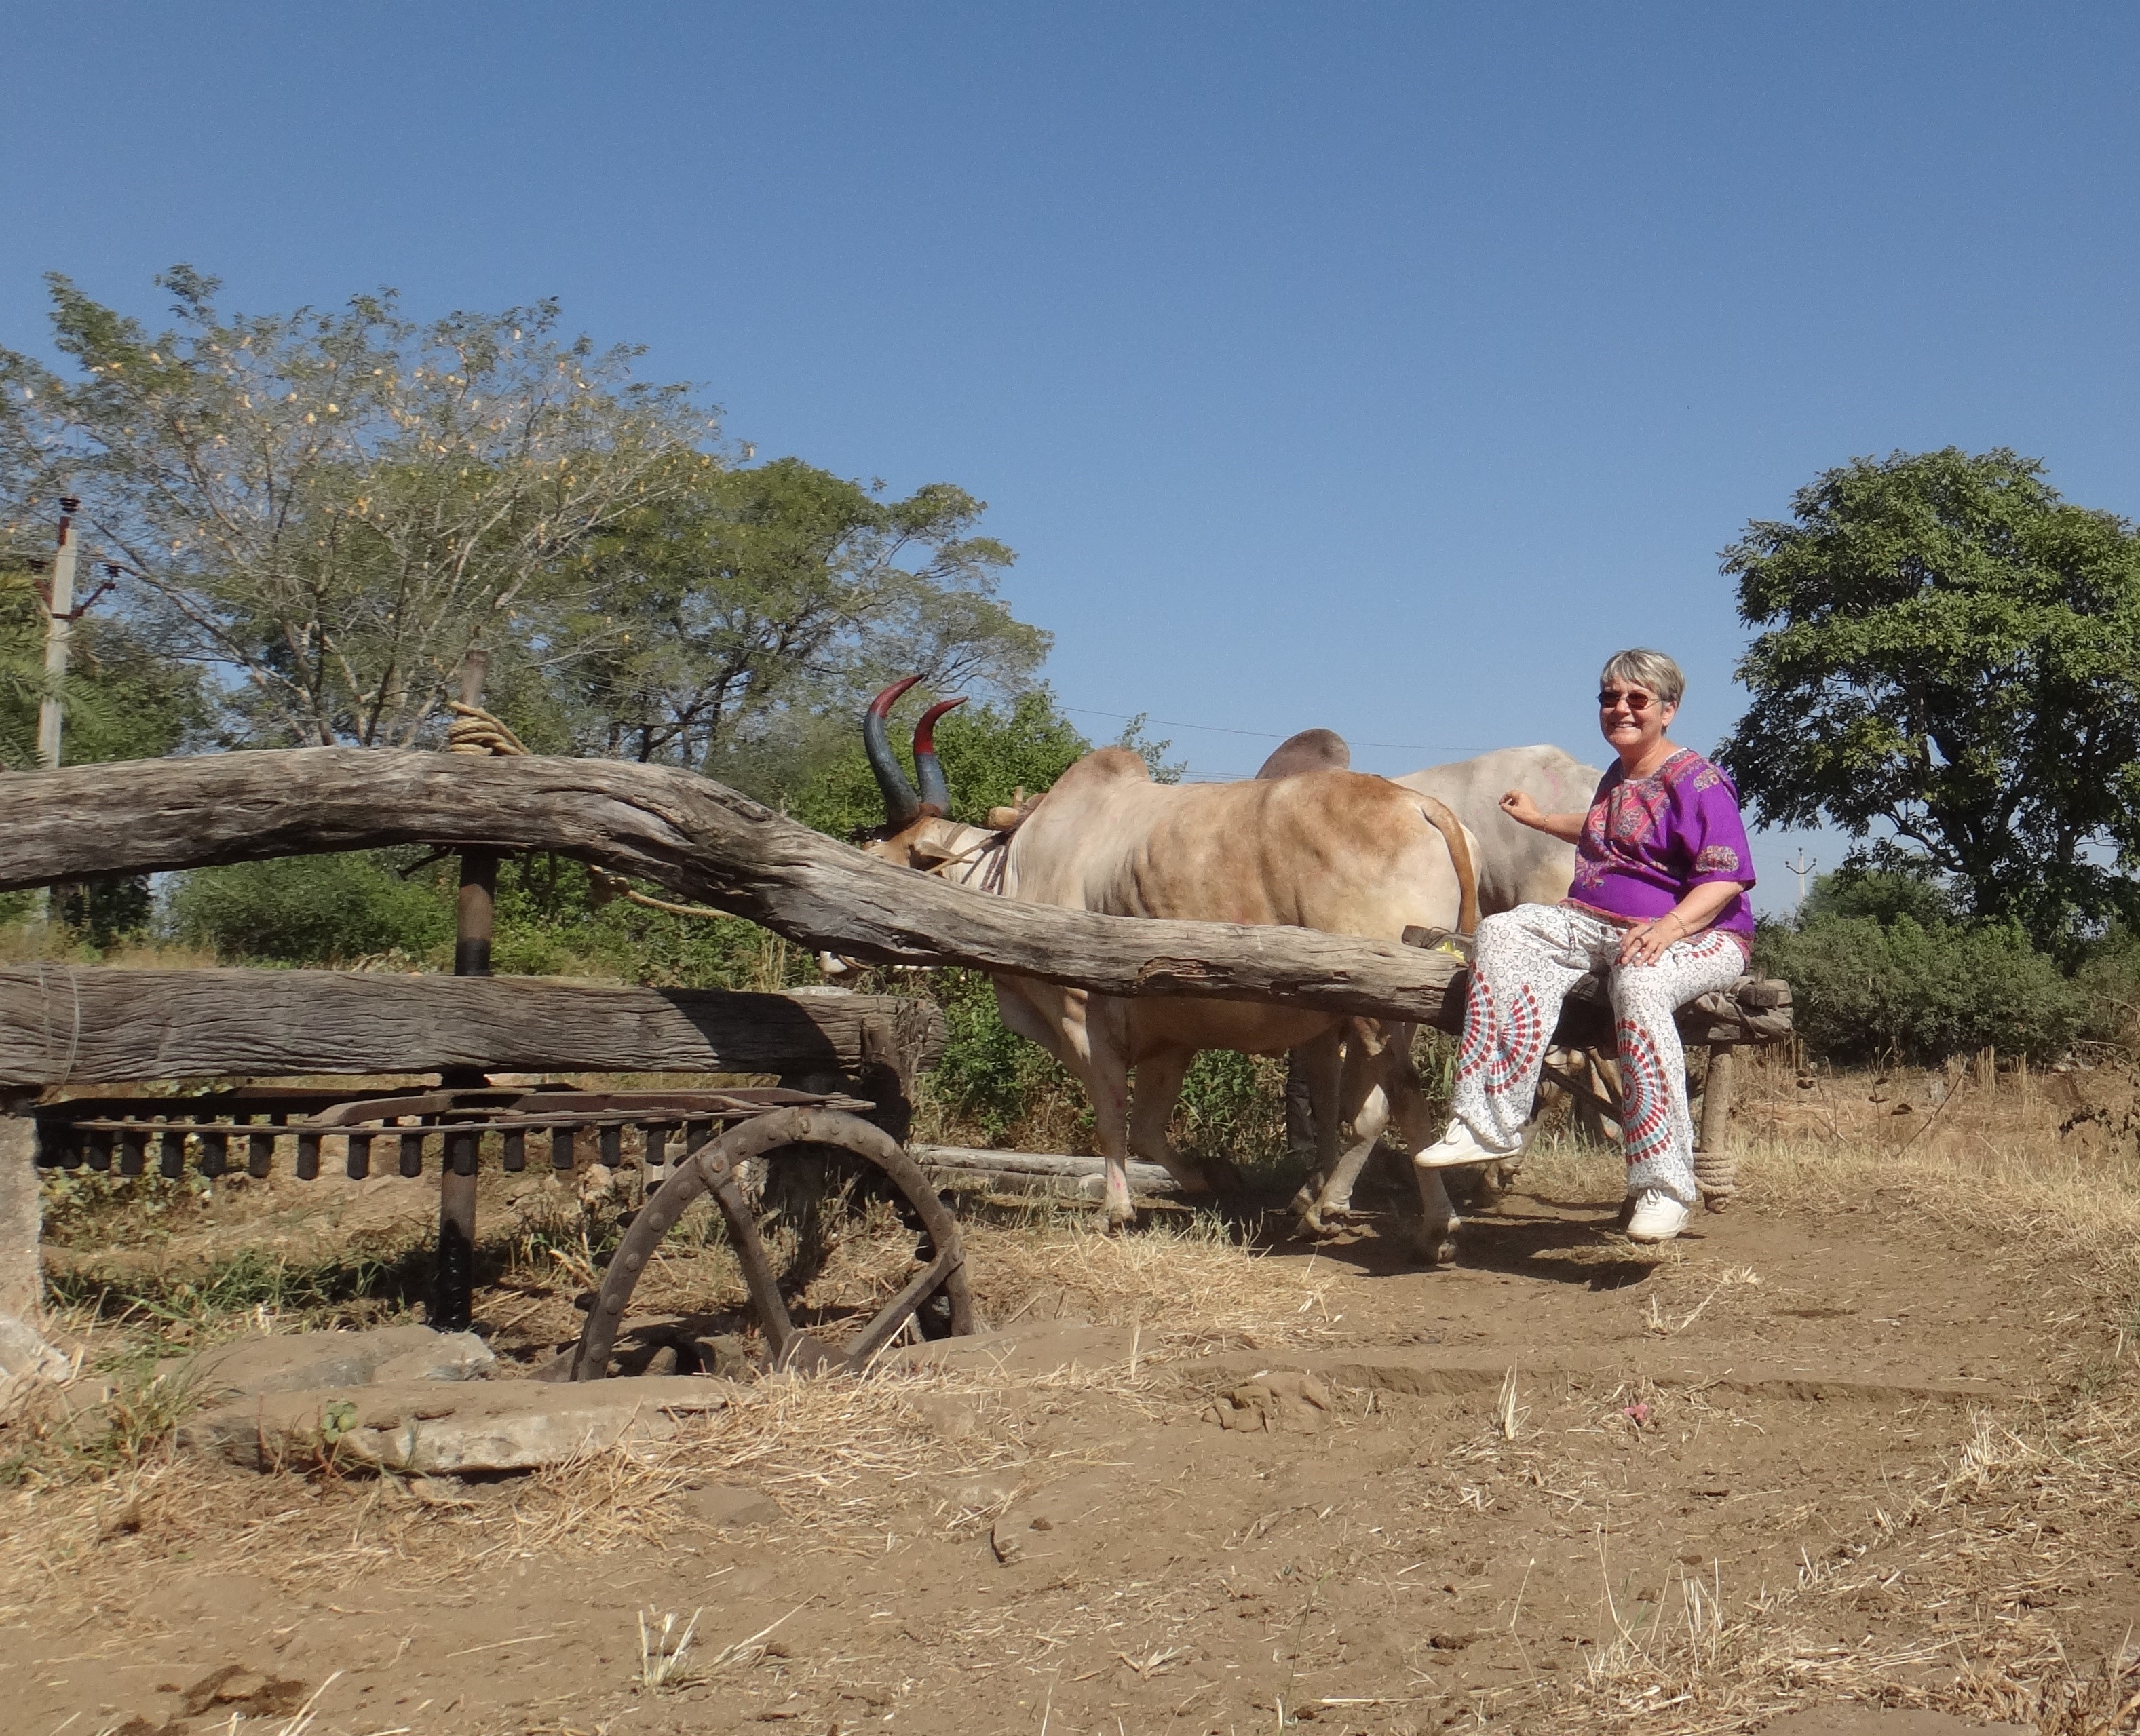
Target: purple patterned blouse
x=1649 y=841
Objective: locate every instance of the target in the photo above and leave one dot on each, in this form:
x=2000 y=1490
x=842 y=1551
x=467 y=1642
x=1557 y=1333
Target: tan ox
x=1336 y=851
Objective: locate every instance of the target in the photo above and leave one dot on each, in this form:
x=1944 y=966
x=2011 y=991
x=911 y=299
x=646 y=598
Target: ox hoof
x=1437 y=1243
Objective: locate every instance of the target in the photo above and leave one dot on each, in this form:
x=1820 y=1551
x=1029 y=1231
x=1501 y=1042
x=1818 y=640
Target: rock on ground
x=426 y=1428
x=1286 y=1402
x=26 y=1361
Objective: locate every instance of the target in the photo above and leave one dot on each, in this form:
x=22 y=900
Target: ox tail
x=1437 y=815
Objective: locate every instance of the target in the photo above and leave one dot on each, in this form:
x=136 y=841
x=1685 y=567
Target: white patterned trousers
x=1527 y=961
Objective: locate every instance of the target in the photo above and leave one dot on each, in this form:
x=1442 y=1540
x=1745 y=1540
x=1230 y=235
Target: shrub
x=1233 y=1108
x=1906 y=990
x=550 y=923
x=2109 y=982
x=320 y=909
x=991 y=1081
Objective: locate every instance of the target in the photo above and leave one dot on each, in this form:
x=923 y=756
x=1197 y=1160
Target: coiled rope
x=474 y=730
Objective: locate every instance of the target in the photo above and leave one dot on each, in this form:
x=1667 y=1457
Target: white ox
x=1334 y=850
x=1353 y=1075
x=1516 y=864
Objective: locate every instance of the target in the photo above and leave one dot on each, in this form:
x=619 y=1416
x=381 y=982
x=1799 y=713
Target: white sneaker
x=1658 y=1217
x=1459 y=1146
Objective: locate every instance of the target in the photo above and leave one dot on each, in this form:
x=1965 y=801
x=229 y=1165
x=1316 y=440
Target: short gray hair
x=1647 y=669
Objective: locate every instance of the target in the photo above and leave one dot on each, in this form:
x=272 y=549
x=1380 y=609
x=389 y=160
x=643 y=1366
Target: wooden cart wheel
x=715 y=1165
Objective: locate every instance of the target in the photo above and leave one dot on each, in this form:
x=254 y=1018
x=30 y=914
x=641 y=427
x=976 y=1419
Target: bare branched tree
x=328 y=509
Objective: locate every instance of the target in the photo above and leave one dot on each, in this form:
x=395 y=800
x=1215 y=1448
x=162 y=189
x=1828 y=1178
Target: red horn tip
x=882 y=705
x=924 y=731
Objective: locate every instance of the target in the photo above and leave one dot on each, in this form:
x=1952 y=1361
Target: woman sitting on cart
x=1658 y=903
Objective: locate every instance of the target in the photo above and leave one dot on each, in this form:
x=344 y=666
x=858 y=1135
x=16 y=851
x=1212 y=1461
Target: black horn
x=936 y=793
x=901 y=804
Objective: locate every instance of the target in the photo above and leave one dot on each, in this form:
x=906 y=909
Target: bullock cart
x=81 y=1028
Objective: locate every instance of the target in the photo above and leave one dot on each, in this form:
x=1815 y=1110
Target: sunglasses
x=1611 y=699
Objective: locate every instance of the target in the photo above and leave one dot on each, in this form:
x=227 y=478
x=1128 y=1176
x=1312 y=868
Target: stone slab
x=435 y=1428
x=300 y=1361
x=27 y=1362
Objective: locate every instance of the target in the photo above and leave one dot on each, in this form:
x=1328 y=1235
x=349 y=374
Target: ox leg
x=1152 y=1107
x=1109 y=1089
x=1321 y=1065
x=1088 y=1035
x=1366 y=1101
x=1094 y=1047
x=1439 y=1223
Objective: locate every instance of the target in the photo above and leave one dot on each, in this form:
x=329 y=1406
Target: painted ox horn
x=936 y=793
x=901 y=804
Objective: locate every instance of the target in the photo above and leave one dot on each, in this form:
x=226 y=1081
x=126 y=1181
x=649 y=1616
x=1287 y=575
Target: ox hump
x=1107 y=765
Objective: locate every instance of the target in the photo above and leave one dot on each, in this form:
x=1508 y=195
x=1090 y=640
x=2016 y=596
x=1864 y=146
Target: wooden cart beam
x=96 y=1025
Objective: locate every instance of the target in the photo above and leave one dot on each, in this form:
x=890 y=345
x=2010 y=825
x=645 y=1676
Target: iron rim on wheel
x=715 y=1165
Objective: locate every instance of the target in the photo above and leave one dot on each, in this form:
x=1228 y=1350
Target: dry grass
x=1188 y=1286
x=1961 y=1581
x=1952 y=1594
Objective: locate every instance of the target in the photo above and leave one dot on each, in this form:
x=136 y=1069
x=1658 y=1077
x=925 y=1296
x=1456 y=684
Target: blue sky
x=1373 y=367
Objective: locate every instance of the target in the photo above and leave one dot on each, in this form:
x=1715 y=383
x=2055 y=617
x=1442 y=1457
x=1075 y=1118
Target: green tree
x=330 y=507
x=732 y=611
x=1950 y=666
x=122 y=700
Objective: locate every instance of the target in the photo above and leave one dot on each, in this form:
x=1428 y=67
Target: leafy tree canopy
x=1950 y=666
x=734 y=608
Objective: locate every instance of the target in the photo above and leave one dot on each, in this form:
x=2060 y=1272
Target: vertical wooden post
x=1714 y=1173
x=25 y=1356
x=22 y=1280
x=454 y=1296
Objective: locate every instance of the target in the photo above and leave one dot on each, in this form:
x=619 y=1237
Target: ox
x=1357 y=1068
x=1333 y=850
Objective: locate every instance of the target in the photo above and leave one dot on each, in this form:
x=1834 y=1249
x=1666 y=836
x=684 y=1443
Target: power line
x=1086 y=711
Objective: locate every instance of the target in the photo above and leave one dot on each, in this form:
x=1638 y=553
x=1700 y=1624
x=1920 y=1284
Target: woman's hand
x=1520 y=808
x=1648 y=942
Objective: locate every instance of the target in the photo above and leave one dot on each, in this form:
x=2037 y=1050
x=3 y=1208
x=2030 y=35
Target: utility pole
x=59 y=625
x=1802 y=868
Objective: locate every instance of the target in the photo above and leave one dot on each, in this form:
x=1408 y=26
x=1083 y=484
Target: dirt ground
x=1867 y=1439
